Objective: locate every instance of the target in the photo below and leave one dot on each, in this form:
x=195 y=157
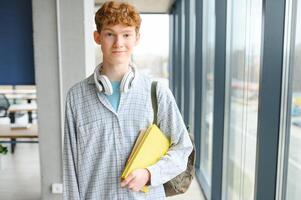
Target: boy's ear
x=137 y=38
x=97 y=37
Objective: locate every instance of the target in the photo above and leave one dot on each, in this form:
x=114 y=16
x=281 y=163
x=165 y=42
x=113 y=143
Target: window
x=207 y=88
x=152 y=53
x=290 y=188
x=241 y=109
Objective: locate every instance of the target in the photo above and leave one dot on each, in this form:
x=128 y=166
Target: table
x=28 y=97
x=20 y=88
x=19 y=108
x=14 y=134
x=19 y=91
x=7 y=132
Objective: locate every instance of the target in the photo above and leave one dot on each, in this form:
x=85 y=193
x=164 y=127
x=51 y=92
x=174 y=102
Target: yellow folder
x=149 y=147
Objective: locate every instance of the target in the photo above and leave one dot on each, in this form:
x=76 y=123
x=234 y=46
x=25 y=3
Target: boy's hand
x=136 y=180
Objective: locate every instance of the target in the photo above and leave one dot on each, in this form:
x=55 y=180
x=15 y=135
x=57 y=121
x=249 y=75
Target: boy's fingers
x=132 y=184
x=127 y=180
x=133 y=187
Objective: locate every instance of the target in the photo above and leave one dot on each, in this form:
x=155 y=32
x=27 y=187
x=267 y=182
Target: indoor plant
x=3 y=150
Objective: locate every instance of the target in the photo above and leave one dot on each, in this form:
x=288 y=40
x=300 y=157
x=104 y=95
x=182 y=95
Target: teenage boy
x=106 y=111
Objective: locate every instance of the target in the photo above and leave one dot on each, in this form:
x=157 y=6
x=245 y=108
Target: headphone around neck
x=103 y=84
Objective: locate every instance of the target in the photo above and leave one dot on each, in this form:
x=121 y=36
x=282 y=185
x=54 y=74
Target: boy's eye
x=109 y=34
x=126 y=35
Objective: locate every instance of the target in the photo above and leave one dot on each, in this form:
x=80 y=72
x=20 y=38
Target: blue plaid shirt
x=98 y=140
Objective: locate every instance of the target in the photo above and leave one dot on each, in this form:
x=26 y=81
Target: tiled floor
x=193 y=193
x=20 y=176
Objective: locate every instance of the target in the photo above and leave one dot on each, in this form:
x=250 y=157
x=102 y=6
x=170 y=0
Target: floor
x=20 y=176
x=193 y=193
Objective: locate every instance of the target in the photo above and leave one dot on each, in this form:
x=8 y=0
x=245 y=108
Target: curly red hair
x=113 y=13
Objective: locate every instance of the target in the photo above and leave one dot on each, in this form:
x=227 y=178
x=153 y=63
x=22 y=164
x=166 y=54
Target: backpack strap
x=154 y=100
x=180 y=183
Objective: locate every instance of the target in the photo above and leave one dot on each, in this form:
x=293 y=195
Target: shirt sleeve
x=171 y=123
x=70 y=179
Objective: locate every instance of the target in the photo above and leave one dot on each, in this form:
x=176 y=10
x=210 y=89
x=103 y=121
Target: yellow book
x=149 y=147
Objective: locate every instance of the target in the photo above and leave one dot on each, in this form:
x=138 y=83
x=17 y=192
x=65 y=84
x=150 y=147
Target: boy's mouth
x=118 y=52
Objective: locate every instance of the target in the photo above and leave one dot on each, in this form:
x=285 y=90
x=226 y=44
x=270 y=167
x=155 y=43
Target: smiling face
x=117 y=43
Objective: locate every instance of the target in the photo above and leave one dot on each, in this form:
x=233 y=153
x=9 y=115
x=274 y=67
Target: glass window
x=191 y=45
x=152 y=53
x=242 y=81
x=293 y=187
x=207 y=88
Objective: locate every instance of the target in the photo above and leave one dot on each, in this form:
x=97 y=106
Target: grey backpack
x=180 y=183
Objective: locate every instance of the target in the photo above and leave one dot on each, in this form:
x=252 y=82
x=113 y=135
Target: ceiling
x=146 y=6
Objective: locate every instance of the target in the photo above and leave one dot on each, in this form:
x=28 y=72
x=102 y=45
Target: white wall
x=63 y=48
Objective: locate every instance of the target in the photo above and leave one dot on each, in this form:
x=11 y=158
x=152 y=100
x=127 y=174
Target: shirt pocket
x=93 y=138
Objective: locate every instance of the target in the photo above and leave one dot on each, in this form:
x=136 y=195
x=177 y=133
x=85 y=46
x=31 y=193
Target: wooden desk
x=7 y=132
x=18 y=91
x=28 y=97
x=23 y=91
x=19 y=108
x=22 y=107
x=25 y=87
x=6 y=87
x=14 y=134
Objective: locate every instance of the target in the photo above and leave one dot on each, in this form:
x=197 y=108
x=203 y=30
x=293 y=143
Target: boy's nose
x=118 y=42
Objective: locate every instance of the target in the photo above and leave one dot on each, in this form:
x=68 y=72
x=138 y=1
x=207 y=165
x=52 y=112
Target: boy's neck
x=115 y=72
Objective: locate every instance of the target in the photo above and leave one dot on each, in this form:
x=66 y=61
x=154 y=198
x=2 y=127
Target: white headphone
x=103 y=84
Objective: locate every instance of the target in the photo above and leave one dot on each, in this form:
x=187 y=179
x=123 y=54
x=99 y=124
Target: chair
x=4 y=105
